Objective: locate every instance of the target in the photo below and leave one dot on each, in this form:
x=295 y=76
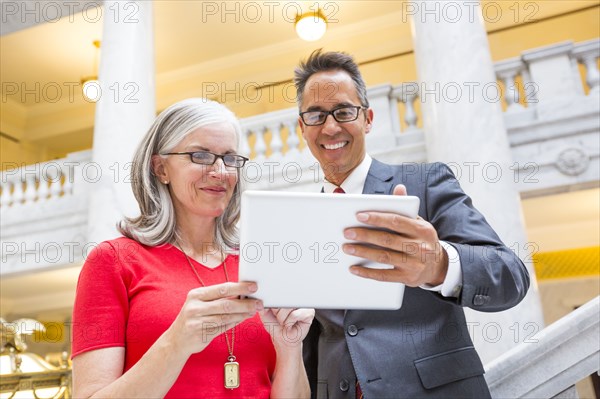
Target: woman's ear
x=159 y=170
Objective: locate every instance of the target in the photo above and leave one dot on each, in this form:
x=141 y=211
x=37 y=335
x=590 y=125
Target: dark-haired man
x=449 y=258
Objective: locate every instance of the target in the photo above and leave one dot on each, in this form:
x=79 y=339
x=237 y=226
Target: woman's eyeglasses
x=209 y=158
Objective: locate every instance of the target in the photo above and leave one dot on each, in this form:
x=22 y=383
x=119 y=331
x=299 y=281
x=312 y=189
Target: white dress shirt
x=355 y=183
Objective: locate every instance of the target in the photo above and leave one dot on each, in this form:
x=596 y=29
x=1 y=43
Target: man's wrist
x=452 y=283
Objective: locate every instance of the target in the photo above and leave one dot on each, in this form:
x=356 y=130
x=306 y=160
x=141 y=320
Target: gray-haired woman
x=157 y=312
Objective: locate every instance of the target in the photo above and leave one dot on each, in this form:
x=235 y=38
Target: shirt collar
x=355 y=182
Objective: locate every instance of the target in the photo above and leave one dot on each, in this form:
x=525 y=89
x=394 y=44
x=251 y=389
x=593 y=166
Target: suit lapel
x=379 y=179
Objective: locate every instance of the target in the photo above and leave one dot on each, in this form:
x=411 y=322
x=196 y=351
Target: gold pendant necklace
x=231 y=368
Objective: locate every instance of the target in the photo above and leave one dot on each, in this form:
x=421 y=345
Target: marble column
x=464 y=128
x=124 y=112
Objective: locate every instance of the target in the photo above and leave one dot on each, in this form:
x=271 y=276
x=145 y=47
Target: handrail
x=555 y=359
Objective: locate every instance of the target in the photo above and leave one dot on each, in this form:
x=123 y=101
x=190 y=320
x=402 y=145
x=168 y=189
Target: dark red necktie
x=339 y=190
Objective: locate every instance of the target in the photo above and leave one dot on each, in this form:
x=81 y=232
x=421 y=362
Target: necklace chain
x=229 y=346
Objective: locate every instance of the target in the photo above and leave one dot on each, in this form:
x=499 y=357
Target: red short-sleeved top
x=128 y=295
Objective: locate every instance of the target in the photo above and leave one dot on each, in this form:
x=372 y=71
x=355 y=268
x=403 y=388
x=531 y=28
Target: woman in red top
x=157 y=312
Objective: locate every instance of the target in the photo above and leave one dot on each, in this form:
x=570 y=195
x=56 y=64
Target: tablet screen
x=291 y=245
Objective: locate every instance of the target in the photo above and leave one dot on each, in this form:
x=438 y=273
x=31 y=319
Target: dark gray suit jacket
x=423 y=349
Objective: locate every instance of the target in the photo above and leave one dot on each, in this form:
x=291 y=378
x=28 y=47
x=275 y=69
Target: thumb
x=400 y=189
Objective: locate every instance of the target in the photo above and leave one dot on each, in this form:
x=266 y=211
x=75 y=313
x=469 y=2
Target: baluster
x=276 y=142
x=592 y=75
x=244 y=145
x=407 y=93
x=68 y=172
x=530 y=89
x=410 y=116
x=55 y=182
x=293 y=140
x=43 y=190
x=6 y=198
x=260 y=148
x=587 y=53
x=18 y=192
x=511 y=92
x=507 y=71
x=30 y=189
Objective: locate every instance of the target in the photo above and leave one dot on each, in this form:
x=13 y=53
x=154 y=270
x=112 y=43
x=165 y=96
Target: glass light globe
x=92 y=91
x=311 y=27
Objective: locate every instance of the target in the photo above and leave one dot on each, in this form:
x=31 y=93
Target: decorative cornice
x=553 y=50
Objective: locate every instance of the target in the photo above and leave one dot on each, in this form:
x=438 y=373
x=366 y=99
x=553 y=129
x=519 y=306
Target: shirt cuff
x=453 y=282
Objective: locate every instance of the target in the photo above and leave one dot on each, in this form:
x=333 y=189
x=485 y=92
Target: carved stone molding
x=572 y=161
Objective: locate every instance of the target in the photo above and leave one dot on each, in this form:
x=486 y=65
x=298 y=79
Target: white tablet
x=291 y=245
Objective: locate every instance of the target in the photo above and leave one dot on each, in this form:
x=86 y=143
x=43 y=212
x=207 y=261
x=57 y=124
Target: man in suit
x=449 y=257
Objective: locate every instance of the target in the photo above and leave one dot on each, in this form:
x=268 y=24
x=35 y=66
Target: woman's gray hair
x=156 y=223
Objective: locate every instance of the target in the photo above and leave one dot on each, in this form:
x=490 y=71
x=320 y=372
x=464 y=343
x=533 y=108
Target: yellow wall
x=16 y=154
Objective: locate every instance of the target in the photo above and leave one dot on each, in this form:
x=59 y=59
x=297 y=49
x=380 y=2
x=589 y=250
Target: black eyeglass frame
x=332 y=113
x=216 y=156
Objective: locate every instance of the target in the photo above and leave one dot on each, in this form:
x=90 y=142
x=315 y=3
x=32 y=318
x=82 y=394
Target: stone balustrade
x=550 y=362
x=46 y=181
x=549 y=74
x=553 y=134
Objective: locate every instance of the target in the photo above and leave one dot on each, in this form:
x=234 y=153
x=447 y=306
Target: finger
x=221 y=321
x=386 y=275
x=281 y=314
x=383 y=255
x=416 y=228
x=400 y=189
x=229 y=306
x=380 y=238
x=225 y=290
x=303 y=315
x=295 y=316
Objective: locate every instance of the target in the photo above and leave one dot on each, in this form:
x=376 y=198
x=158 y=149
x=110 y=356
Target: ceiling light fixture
x=311 y=26
x=90 y=85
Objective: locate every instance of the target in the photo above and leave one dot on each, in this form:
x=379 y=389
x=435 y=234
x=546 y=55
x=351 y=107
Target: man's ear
x=158 y=168
x=301 y=124
x=369 y=120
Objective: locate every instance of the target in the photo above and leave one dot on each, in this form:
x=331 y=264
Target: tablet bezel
x=273 y=222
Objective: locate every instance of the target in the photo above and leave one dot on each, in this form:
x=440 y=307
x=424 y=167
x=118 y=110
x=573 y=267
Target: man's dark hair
x=329 y=61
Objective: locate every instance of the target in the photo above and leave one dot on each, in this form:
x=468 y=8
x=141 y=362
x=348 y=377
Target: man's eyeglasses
x=208 y=158
x=341 y=115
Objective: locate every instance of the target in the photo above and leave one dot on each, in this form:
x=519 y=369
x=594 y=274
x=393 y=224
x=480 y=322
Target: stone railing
x=280 y=155
x=560 y=355
x=43 y=213
x=548 y=74
x=553 y=128
x=545 y=100
x=46 y=181
x=553 y=131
